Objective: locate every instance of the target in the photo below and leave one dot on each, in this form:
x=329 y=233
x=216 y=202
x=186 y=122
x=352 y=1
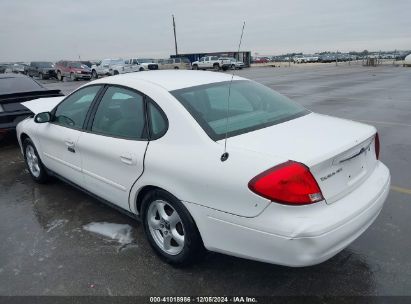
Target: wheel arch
x=23 y=137
x=142 y=192
x=148 y=188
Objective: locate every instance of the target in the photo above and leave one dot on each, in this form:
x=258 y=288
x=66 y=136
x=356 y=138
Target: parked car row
x=330 y=57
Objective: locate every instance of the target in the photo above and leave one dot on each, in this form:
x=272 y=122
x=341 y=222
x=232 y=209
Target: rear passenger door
x=114 y=145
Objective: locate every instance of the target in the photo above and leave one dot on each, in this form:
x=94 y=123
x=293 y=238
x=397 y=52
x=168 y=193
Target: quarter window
x=158 y=123
x=73 y=110
x=121 y=114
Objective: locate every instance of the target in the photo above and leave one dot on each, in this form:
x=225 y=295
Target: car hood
x=42 y=104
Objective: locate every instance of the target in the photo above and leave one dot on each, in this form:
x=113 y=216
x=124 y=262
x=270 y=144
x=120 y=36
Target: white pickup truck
x=211 y=62
x=108 y=67
x=136 y=65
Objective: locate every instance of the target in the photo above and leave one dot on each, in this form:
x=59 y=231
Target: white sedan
x=294 y=188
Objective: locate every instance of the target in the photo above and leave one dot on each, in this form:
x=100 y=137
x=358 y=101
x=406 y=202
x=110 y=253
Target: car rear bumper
x=296 y=236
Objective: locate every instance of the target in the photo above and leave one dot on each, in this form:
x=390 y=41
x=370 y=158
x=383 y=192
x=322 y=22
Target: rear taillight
x=289 y=183
x=377 y=146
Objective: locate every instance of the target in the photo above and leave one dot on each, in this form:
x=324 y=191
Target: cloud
x=93 y=29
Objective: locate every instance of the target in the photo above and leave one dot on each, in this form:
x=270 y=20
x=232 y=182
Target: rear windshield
x=252 y=106
x=20 y=84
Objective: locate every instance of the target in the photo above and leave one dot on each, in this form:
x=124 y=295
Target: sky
x=97 y=29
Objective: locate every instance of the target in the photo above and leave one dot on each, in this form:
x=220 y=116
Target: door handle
x=126 y=159
x=69 y=143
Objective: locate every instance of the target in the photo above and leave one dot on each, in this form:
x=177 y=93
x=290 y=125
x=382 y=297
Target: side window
x=73 y=110
x=158 y=124
x=121 y=114
x=177 y=60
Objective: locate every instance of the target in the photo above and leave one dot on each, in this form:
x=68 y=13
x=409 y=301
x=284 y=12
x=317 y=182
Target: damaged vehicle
x=211 y=161
x=15 y=89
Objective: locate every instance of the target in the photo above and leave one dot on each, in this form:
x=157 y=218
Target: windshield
x=145 y=60
x=252 y=106
x=117 y=61
x=78 y=65
x=44 y=64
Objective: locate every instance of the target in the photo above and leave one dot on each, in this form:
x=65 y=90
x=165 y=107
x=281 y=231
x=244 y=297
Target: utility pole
x=175 y=36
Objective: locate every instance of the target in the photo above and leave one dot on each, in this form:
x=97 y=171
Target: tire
x=233 y=67
x=141 y=69
x=59 y=76
x=41 y=76
x=195 y=67
x=216 y=67
x=176 y=68
x=33 y=162
x=116 y=73
x=94 y=74
x=159 y=210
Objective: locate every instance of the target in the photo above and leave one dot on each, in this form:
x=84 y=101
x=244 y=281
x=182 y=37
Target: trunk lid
x=340 y=153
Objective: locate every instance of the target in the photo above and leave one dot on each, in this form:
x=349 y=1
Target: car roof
x=172 y=80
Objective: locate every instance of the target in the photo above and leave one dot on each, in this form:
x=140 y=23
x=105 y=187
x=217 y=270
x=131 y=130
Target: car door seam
x=142 y=172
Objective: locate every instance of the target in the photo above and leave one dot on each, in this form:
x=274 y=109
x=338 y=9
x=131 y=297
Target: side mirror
x=42 y=117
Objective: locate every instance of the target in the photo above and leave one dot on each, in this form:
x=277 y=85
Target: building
x=244 y=56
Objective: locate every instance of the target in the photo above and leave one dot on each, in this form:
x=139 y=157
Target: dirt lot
x=45 y=250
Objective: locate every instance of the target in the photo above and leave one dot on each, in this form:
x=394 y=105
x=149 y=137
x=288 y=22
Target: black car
x=14 y=89
x=41 y=69
x=3 y=68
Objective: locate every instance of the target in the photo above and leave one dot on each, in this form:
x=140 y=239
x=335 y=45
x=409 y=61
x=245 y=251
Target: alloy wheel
x=166 y=227
x=32 y=161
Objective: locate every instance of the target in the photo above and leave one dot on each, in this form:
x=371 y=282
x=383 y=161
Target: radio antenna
x=225 y=155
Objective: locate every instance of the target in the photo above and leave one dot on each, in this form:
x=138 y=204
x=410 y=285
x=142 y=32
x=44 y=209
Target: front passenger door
x=58 y=139
x=115 y=145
